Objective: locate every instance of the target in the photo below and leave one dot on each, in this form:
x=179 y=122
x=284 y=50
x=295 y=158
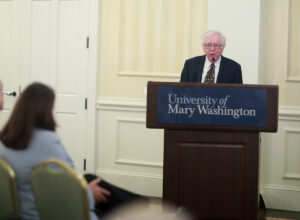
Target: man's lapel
x=221 y=70
x=200 y=68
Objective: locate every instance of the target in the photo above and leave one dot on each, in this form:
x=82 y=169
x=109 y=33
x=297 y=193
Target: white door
x=52 y=36
x=9 y=55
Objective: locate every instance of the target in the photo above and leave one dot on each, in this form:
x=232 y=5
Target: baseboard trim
x=281 y=197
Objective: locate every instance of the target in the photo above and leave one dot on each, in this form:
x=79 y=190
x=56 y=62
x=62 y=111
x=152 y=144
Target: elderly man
x=212 y=67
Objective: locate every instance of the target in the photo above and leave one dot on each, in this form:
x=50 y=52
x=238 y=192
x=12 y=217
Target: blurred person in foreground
x=138 y=211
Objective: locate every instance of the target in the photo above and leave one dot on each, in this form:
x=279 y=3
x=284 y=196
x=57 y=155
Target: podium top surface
x=198 y=106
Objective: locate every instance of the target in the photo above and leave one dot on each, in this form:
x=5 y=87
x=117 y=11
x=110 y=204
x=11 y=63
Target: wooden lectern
x=211 y=168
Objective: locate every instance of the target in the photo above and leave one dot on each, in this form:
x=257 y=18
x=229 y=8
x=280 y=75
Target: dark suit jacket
x=229 y=72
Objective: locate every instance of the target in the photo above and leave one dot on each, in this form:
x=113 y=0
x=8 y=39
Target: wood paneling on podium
x=212 y=173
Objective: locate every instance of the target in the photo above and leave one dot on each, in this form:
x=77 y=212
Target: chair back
x=60 y=192
x=9 y=204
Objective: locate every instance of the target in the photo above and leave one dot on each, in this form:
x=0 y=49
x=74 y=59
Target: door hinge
x=84 y=164
x=85 y=103
x=87 y=42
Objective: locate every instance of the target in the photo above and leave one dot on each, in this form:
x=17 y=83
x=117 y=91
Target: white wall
x=239 y=21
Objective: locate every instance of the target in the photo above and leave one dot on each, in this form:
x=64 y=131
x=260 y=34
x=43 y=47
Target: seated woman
x=29 y=137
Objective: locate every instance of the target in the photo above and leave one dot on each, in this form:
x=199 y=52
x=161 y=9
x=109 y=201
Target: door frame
x=93 y=61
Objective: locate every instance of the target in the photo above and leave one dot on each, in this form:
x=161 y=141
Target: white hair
x=210 y=33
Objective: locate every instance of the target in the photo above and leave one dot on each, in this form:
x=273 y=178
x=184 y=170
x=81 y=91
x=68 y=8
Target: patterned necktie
x=210 y=76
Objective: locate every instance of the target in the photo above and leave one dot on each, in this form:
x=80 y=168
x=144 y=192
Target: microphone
x=213 y=59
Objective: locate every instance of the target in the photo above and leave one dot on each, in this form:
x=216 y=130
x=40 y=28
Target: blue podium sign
x=211 y=106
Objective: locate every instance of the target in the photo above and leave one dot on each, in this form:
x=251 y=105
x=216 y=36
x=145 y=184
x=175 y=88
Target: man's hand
x=99 y=193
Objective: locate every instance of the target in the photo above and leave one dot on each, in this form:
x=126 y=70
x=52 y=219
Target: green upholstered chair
x=60 y=192
x=8 y=191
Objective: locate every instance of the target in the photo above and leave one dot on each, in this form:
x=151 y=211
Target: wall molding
x=132 y=174
x=121 y=104
x=287 y=158
x=289 y=113
x=154 y=38
x=119 y=160
x=291 y=176
x=280 y=187
x=293 y=79
x=139 y=162
x=291 y=70
x=172 y=75
x=281 y=197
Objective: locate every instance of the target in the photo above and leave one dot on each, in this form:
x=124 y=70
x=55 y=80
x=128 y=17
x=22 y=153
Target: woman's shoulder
x=49 y=143
x=46 y=141
x=43 y=134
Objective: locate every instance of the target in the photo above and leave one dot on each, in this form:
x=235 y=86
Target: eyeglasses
x=210 y=46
